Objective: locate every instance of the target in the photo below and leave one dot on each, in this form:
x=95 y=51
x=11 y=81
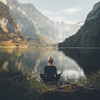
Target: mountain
x=89 y=34
x=34 y=23
x=67 y=30
x=27 y=25
x=10 y=33
x=8 y=22
x=53 y=30
x=37 y=27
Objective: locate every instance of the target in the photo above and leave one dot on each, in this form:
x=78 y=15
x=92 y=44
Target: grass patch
x=93 y=80
x=20 y=86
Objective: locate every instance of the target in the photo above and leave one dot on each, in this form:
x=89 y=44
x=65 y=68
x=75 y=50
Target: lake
x=74 y=63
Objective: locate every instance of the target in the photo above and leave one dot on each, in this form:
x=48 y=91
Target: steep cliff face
x=89 y=34
x=10 y=33
x=7 y=21
x=26 y=25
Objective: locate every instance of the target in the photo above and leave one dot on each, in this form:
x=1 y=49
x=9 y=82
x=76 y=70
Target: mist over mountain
x=54 y=30
x=34 y=23
x=89 y=34
x=67 y=30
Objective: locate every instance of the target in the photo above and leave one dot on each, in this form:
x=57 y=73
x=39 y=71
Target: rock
x=72 y=92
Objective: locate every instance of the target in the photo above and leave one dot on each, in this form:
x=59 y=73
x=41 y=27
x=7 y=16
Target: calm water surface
x=74 y=63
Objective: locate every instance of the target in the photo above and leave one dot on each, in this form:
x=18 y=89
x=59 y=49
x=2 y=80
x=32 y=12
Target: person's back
x=50 y=72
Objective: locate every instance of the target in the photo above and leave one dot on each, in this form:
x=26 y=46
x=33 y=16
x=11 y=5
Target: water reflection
x=35 y=59
x=87 y=58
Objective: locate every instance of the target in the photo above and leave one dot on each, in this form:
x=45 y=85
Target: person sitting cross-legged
x=50 y=73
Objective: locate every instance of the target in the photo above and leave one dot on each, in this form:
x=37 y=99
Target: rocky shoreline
x=72 y=92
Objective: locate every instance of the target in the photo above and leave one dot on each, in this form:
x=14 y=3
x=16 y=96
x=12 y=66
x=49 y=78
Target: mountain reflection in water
x=87 y=58
x=35 y=59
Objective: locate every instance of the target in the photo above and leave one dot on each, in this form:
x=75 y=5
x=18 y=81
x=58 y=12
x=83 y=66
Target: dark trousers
x=50 y=79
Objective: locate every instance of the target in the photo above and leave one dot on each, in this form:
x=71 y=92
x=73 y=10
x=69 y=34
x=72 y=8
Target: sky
x=68 y=11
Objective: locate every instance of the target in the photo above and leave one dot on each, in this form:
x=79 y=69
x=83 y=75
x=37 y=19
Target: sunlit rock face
x=3 y=24
x=7 y=21
x=10 y=32
x=4 y=1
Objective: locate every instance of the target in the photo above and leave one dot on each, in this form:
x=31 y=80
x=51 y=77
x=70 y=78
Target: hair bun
x=50 y=60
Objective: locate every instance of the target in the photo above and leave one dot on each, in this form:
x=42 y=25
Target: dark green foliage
x=19 y=86
x=93 y=80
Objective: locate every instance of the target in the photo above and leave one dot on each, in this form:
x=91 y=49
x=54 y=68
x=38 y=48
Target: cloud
x=62 y=18
x=52 y=13
x=62 y=15
x=57 y=18
x=63 y=11
x=70 y=10
x=47 y=12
